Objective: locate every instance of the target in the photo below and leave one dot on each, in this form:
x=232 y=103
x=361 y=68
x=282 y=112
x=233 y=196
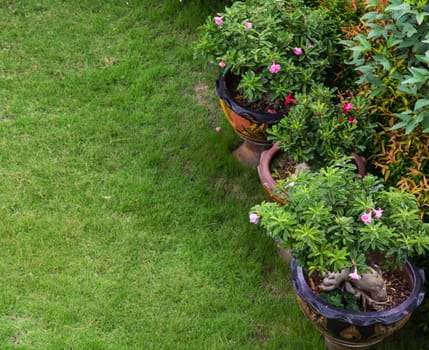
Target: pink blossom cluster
x=367 y=217
x=346 y=108
x=275 y=68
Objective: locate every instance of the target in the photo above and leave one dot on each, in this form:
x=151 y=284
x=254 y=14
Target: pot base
x=334 y=346
x=249 y=153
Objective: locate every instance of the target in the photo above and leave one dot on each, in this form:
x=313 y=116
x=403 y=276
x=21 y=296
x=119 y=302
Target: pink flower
x=366 y=217
x=289 y=99
x=351 y=120
x=218 y=129
x=218 y=20
x=249 y=25
x=275 y=68
x=378 y=213
x=309 y=45
x=347 y=107
x=254 y=218
x=354 y=275
x=271 y=111
x=297 y=51
x=222 y=64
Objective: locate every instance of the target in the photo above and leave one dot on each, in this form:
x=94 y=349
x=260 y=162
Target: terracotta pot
x=249 y=125
x=269 y=184
x=264 y=172
x=344 y=329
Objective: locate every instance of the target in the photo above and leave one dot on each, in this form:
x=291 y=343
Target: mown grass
x=123 y=214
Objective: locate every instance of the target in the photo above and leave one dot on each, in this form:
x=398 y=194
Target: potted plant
x=319 y=127
x=267 y=51
x=351 y=237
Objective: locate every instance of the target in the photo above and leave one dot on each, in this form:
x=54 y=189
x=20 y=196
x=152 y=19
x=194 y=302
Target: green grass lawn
x=123 y=213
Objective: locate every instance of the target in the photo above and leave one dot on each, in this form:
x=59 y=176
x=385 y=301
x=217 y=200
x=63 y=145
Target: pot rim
x=224 y=93
x=264 y=168
x=360 y=318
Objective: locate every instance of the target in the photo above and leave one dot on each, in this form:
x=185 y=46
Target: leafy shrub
x=403 y=159
x=321 y=126
x=390 y=47
x=393 y=55
x=336 y=219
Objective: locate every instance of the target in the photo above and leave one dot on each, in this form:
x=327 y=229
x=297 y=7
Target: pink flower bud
x=222 y=64
x=309 y=45
x=354 y=275
x=275 y=68
x=297 y=51
x=351 y=120
x=218 y=129
x=254 y=218
x=249 y=25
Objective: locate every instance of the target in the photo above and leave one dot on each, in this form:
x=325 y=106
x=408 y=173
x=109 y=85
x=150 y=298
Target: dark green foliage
x=344 y=299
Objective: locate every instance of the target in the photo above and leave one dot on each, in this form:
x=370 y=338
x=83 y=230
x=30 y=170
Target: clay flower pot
x=249 y=125
x=344 y=329
x=269 y=184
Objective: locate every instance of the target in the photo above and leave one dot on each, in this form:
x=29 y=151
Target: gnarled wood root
x=371 y=288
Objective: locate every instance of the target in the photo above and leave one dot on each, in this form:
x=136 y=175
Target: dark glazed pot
x=269 y=184
x=344 y=329
x=249 y=125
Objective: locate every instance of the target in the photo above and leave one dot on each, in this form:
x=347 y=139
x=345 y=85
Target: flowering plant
x=321 y=126
x=276 y=47
x=335 y=221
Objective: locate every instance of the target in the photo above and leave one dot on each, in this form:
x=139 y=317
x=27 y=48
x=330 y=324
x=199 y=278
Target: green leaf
x=425 y=124
x=408 y=89
x=376 y=32
x=365 y=43
x=399 y=125
x=420 y=17
x=425 y=58
x=419 y=75
x=391 y=42
x=383 y=61
x=420 y=104
x=420 y=72
x=411 y=125
x=402 y=8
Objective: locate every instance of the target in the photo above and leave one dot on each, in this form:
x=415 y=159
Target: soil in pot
x=282 y=167
x=263 y=104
